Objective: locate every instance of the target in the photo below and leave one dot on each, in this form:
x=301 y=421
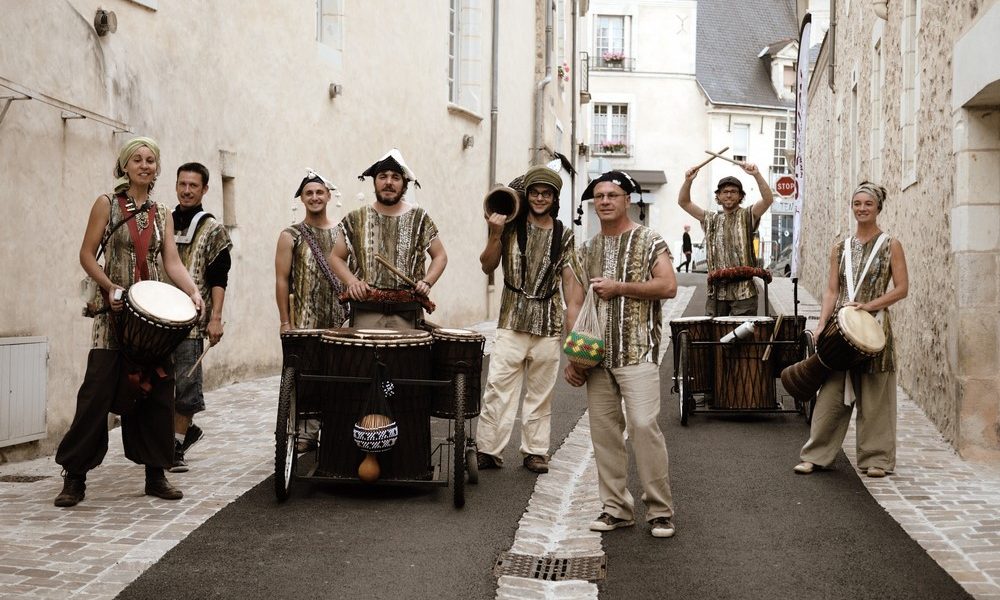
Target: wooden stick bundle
x=388 y=265
x=737 y=163
x=774 y=334
x=713 y=157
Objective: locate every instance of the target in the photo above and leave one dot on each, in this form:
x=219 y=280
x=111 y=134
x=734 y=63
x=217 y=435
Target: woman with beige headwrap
x=132 y=252
x=861 y=268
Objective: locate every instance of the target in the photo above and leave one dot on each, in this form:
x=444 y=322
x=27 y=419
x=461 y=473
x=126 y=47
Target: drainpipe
x=540 y=87
x=574 y=61
x=494 y=117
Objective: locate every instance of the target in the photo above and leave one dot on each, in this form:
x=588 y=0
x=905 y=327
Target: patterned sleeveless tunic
x=874 y=285
x=120 y=261
x=315 y=306
x=402 y=240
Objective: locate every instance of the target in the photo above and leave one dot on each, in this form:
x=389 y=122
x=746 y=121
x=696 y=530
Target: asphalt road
x=748 y=527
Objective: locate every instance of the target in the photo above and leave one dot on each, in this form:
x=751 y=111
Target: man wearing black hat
x=397 y=232
x=305 y=288
x=729 y=241
x=630 y=270
x=538 y=254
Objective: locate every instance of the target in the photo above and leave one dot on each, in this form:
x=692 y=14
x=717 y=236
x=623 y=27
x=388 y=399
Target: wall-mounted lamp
x=335 y=90
x=105 y=22
x=467 y=141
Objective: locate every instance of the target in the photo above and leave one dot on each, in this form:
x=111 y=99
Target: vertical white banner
x=801 y=104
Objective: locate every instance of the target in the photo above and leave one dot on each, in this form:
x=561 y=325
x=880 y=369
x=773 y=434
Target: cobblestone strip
x=95 y=549
x=950 y=506
x=565 y=500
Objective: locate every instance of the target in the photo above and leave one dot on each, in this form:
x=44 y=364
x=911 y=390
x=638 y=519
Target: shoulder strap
x=849 y=266
x=324 y=266
x=107 y=236
x=192 y=228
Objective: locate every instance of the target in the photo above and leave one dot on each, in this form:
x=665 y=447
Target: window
x=877 y=136
x=741 y=141
x=609 y=41
x=330 y=25
x=910 y=98
x=610 y=129
x=464 y=60
x=781 y=143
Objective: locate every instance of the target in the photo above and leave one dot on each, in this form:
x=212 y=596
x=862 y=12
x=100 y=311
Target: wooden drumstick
x=774 y=334
x=203 y=353
x=395 y=271
x=737 y=163
x=708 y=160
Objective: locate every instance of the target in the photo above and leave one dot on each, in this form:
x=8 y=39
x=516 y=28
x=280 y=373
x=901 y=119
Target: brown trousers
x=147 y=432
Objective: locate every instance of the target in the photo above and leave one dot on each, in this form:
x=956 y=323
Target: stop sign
x=785 y=186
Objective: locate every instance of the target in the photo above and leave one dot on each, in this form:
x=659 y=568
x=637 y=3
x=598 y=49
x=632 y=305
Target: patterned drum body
x=301 y=349
x=156 y=318
x=354 y=353
x=742 y=379
x=785 y=355
x=702 y=357
x=851 y=338
x=457 y=351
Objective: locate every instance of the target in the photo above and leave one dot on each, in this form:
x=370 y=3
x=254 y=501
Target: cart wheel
x=284 y=436
x=458 y=441
x=808 y=349
x=683 y=377
x=471 y=466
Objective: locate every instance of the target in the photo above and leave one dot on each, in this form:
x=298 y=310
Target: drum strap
x=852 y=290
x=140 y=239
x=324 y=266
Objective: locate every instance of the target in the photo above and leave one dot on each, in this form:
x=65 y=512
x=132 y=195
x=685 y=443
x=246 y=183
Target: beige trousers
x=639 y=387
x=876 y=422
x=519 y=356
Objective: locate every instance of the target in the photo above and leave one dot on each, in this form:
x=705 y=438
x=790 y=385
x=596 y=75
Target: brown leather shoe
x=161 y=488
x=487 y=461
x=73 y=492
x=536 y=463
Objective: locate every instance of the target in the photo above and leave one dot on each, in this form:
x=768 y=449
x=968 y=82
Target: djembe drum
x=156 y=318
x=792 y=327
x=742 y=379
x=851 y=338
x=406 y=354
x=702 y=357
x=457 y=351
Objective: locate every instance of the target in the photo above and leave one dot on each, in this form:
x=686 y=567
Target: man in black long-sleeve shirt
x=203 y=244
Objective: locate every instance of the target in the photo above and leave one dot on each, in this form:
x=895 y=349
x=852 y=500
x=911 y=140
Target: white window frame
x=910 y=96
x=606 y=129
x=736 y=147
x=464 y=57
x=330 y=29
x=626 y=28
x=782 y=139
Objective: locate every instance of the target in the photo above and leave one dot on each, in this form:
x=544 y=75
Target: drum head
x=162 y=301
x=691 y=320
x=862 y=329
x=462 y=335
x=376 y=337
x=302 y=333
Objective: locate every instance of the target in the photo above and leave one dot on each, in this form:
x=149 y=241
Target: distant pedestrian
x=874 y=259
x=538 y=256
x=729 y=241
x=203 y=245
x=630 y=269
x=686 y=249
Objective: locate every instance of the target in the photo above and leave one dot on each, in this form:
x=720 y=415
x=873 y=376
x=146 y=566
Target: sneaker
x=606 y=522
x=487 y=461
x=194 y=433
x=536 y=463
x=180 y=465
x=661 y=527
x=73 y=492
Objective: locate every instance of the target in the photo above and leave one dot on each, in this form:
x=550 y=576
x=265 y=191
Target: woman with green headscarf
x=134 y=233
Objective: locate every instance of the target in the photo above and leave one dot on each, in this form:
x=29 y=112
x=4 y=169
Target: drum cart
x=311 y=389
x=738 y=376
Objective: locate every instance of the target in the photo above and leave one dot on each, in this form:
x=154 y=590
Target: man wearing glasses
x=537 y=253
x=630 y=270
x=729 y=241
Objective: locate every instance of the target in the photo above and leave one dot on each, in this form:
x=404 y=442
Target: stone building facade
x=258 y=92
x=906 y=93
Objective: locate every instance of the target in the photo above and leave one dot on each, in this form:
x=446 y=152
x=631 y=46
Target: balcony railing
x=584 y=73
x=611 y=149
x=599 y=63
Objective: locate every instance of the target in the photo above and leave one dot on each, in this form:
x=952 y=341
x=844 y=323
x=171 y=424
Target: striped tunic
x=874 y=285
x=631 y=326
x=402 y=240
x=315 y=306
x=531 y=312
x=210 y=239
x=120 y=261
x=729 y=243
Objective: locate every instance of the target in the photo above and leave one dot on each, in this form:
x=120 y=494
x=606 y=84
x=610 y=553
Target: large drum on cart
x=699 y=360
x=457 y=351
x=743 y=380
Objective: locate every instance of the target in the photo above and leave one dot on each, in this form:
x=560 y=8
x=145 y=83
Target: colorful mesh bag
x=584 y=345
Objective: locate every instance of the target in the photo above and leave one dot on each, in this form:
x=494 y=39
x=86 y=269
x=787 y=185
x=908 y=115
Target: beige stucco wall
x=920 y=215
x=201 y=80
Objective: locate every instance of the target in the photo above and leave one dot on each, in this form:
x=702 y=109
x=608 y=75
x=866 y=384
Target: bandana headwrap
x=130 y=147
x=313 y=177
x=390 y=161
x=874 y=190
x=622 y=180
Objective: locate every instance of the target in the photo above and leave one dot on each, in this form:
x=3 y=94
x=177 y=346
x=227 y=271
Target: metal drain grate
x=548 y=568
x=22 y=478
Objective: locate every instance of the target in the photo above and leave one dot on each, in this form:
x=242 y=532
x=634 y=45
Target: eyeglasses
x=612 y=197
x=544 y=194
